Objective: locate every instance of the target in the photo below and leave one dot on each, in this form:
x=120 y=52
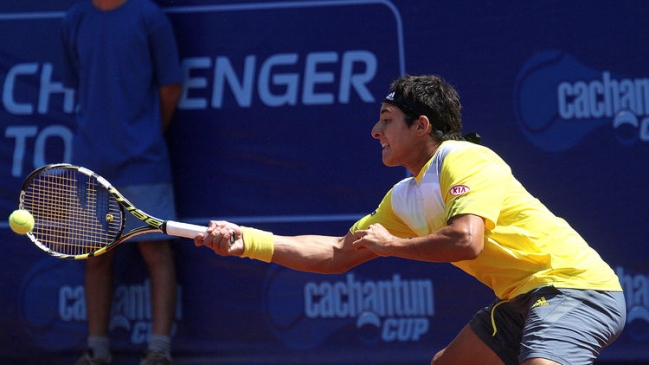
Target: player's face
x=395 y=136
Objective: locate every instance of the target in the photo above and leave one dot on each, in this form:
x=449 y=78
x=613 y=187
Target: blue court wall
x=273 y=131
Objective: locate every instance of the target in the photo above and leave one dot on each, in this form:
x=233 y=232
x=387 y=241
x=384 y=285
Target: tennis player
x=557 y=301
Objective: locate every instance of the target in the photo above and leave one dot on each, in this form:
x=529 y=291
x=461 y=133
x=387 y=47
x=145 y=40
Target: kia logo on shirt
x=459 y=190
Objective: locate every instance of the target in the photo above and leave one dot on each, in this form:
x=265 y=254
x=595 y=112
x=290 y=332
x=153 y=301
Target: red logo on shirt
x=459 y=190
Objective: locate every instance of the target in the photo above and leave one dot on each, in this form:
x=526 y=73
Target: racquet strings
x=74 y=213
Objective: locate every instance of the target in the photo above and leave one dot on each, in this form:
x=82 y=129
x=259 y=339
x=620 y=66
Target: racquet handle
x=186 y=230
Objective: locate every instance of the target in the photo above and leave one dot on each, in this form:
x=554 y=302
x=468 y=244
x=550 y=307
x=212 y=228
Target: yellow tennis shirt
x=526 y=246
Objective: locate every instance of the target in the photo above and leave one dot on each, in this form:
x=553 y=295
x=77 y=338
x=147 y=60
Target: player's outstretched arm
x=320 y=254
x=312 y=253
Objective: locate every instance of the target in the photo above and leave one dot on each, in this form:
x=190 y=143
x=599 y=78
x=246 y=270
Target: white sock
x=100 y=346
x=160 y=343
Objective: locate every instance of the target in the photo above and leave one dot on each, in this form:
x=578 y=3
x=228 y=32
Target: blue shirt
x=117 y=60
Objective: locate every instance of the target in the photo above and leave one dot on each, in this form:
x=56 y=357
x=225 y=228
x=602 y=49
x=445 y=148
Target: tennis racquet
x=79 y=214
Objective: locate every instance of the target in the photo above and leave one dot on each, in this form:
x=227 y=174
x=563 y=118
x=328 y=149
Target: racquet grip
x=186 y=230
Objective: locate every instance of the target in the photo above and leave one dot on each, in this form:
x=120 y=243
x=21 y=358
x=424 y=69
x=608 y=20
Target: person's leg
x=157 y=199
x=159 y=259
x=99 y=292
x=99 y=298
x=465 y=349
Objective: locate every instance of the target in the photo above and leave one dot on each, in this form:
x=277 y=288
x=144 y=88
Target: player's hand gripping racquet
x=79 y=214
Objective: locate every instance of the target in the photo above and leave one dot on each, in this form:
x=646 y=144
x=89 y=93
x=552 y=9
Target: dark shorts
x=154 y=199
x=568 y=326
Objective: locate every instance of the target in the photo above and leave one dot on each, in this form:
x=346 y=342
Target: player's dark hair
x=433 y=97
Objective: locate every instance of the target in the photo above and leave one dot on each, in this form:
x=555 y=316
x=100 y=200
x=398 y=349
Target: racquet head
x=75 y=215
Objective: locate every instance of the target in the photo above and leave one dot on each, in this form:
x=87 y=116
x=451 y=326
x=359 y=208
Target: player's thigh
x=466 y=349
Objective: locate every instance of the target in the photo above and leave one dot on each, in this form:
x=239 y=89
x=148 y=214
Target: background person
x=122 y=59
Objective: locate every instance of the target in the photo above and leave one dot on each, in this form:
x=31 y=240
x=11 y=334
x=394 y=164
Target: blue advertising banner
x=273 y=131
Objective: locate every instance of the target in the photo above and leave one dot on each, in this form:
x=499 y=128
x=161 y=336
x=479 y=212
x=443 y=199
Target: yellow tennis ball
x=21 y=221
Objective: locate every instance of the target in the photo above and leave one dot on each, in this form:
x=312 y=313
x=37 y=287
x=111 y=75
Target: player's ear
x=423 y=124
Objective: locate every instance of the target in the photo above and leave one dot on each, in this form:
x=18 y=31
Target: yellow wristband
x=258 y=244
